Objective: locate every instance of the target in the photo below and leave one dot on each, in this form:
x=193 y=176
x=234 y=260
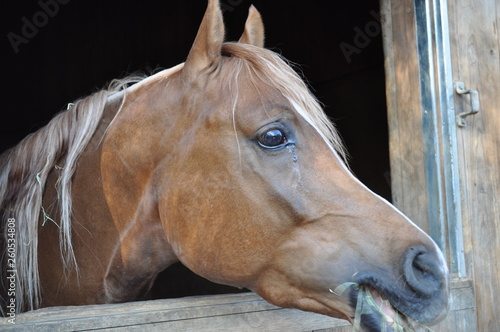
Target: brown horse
x=225 y=163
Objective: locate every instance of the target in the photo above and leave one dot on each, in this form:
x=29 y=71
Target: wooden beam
x=232 y=312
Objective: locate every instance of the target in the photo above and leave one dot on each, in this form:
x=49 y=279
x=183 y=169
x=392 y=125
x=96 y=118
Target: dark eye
x=273 y=138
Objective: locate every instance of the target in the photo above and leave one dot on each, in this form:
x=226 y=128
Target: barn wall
x=423 y=149
x=475 y=43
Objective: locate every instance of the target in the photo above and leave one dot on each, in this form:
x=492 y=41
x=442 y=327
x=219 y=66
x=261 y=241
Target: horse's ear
x=207 y=46
x=254 y=29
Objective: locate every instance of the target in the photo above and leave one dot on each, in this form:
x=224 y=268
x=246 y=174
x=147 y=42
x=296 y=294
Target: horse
x=226 y=163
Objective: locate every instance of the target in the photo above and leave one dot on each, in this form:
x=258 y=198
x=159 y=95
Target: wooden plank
x=242 y=312
x=232 y=312
x=476 y=49
x=408 y=178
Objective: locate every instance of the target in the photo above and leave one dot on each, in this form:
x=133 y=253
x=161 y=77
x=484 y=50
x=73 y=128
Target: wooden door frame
x=422 y=139
x=425 y=179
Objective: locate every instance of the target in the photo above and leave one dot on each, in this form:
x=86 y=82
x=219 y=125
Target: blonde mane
x=23 y=174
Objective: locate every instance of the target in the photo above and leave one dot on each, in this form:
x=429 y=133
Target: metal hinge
x=474 y=102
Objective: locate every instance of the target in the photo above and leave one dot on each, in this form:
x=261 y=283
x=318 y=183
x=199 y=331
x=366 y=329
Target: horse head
x=247 y=178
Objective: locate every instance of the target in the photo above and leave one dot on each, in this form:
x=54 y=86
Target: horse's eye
x=273 y=138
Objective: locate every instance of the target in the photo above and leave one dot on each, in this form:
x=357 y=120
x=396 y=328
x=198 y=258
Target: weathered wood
x=233 y=312
x=405 y=76
x=241 y=312
x=404 y=110
x=476 y=41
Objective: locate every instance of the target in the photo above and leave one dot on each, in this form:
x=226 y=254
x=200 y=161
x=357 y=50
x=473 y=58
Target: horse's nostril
x=422 y=271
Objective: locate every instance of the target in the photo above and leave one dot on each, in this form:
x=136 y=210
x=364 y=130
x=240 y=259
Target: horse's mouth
x=375 y=313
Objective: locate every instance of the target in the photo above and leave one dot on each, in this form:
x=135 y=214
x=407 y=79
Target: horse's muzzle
x=420 y=293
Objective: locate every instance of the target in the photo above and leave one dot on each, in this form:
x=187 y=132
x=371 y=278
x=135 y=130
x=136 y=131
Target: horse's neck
x=126 y=164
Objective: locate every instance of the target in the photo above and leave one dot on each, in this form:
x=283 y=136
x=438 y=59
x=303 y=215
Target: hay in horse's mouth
x=374 y=312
